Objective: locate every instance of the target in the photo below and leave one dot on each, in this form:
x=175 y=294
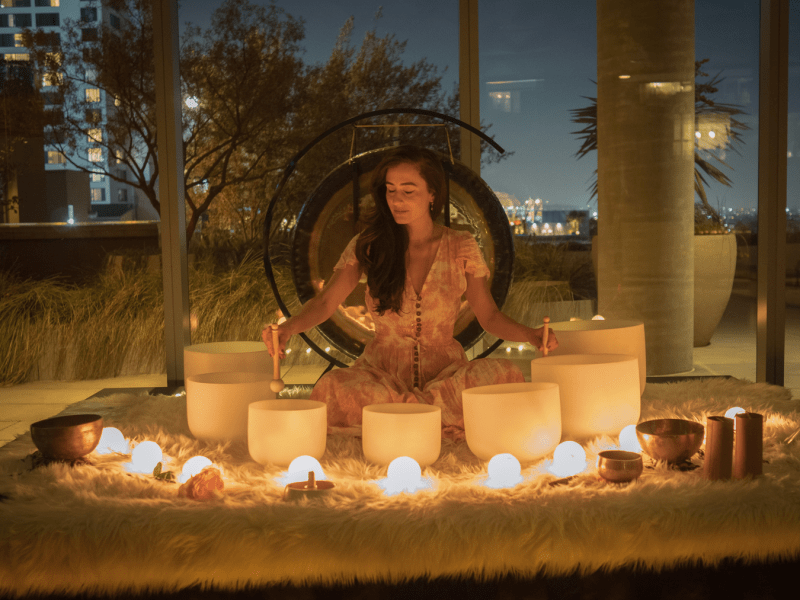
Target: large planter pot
x=714 y=268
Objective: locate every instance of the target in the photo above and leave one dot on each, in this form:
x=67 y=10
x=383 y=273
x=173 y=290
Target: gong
x=328 y=220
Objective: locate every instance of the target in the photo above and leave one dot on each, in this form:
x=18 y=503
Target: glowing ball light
x=404 y=475
x=599 y=393
x=628 y=440
x=192 y=467
x=278 y=431
x=300 y=467
x=569 y=458
x=397 y=429
x=732 y=412
x=112 y=440
x=523 y=419
x=145 y=457
x=504 y=472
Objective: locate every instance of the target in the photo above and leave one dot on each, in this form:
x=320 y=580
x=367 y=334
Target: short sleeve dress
x=414 y=356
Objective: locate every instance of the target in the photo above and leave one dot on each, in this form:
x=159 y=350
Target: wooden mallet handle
x=545 y=331
x=276 y=385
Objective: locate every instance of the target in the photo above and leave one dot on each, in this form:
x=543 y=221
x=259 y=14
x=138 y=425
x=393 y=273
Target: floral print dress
x=414 y=356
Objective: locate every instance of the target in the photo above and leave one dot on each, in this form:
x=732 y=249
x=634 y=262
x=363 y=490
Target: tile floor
x=732 y=352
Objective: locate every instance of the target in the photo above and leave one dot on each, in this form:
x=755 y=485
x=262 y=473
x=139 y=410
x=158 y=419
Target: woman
x=417 y=272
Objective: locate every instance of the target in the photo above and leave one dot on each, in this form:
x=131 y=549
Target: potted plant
x=718 y=130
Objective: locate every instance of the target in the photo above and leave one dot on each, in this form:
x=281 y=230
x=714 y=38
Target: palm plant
x=706 y=160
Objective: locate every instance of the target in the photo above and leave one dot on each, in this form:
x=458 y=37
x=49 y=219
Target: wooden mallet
x=276 y=385
x=546 y=321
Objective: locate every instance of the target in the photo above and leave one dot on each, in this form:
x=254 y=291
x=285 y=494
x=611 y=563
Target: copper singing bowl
x=67 y=437
x=619 y=466
x=672 y=440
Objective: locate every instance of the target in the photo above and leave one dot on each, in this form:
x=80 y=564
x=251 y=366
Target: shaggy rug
x=97 y=529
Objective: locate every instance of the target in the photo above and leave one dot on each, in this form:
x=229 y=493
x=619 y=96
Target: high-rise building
x=109 y=198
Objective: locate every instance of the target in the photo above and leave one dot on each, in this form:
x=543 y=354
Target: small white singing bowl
x=611 y=336
x=217 y=403
x=219 y=357
x=278 y=431
x=599 y=392
x=397 y=429
x=522 y=419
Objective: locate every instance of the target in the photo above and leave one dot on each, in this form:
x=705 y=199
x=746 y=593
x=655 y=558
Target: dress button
x=418 y=305
x=418 y=314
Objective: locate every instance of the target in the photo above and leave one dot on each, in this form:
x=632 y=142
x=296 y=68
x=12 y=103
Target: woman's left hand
x=535 y=339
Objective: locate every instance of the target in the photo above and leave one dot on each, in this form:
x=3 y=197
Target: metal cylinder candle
x=749 y=445
x=719 y=448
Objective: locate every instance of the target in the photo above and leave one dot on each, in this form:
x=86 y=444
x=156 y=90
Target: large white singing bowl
x=217 y=403
x=612 y=336
x=599 y=392
x=278 y=431
x=219 y=357
x=393 y=430
x=523 y=419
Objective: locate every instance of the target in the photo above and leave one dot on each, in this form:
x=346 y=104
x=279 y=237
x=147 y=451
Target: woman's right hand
x=283 y=339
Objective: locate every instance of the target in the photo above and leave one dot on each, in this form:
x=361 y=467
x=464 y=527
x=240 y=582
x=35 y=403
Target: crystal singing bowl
x=672 y=440
x=522 y=419
x=397 y=429
x=599 y=392
x=217 y=403
x=278 y=431
x=611 y=336
x=219 y=357
x=619 y=466
x=67 y=437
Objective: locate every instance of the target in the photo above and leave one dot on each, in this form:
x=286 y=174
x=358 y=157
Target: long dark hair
x=382 y=245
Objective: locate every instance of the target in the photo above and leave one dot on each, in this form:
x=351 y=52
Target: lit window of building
x=48 y=2
x=92 y=95
x=17 y=57
x=98 y=176
x=98 y=195
x=18 y=40
x=54 y=157
x=95 y=154
x=15 y=3
x=51 y=79
x=95 y=135
x=15 y=20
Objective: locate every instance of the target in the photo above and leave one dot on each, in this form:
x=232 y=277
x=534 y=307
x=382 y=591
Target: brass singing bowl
x=672 y=440
x=67 y=437
x=619 y=466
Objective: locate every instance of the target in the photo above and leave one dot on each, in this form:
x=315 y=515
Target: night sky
x=549 y=50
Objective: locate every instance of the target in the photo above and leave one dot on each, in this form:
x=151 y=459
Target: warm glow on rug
x=569 y=458
x=628 y=440
x=504 y=472
x=404 y=475
x=112 y=440
x=144 y=458
x=298 y=471
x=192 y=467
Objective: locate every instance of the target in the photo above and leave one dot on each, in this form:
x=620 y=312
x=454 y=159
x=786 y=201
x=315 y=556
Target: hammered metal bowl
x=619 y=466
x=672 y=440
x=67 y=437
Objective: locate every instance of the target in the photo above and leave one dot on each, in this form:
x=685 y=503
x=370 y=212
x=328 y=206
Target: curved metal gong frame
x=473 y=331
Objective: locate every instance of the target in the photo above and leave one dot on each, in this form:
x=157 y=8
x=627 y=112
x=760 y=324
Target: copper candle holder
x=719 y=449
x=747 y=460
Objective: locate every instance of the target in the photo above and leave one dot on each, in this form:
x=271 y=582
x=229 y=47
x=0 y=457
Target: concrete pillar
x=645 y=166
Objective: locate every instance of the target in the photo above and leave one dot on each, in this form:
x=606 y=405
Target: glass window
x=98 y=176
x=114 y=21
x=95 y=154
x=89 y=34
x=88 y=15
x=54 y=157
x=98 y=195
x=792 y=332
x=17 y=57
x=92 y=95
x=48 y=3
x=95 y=135
x=93 y=115
x=47 y=20
x=15 y=3
x=15 y=20
x=51 y=79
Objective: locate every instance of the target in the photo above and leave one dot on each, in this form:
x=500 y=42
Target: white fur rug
x=98 y=529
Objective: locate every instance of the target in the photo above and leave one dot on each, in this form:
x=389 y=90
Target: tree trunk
x=645 y=133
